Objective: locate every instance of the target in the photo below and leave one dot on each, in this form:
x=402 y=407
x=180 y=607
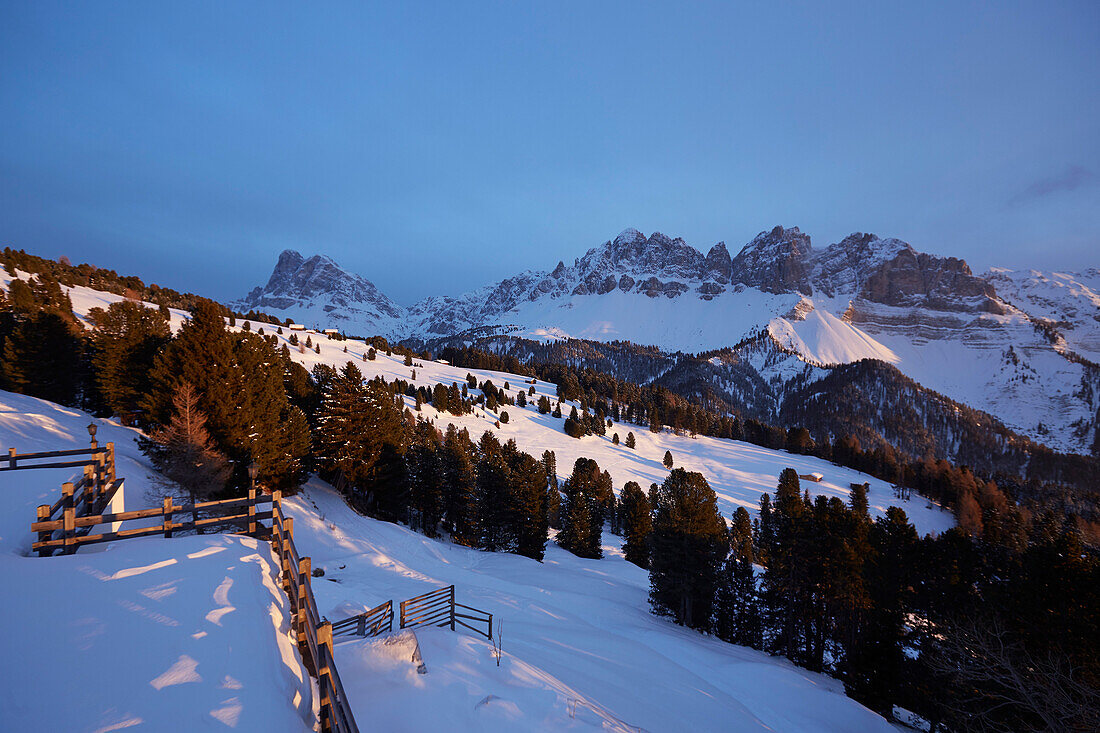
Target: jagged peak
x=630 y=234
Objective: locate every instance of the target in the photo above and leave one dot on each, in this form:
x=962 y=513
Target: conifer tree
x=183 y=451
x=581 y=530
x=42 y=356
x=668 y=459
x=425 y=468
x=460 y=486
x=496 y=519
x=786 y=579
x=637 y=522
x=689 y=545
x=530 y=500
x=125 y=341
x=630 y=443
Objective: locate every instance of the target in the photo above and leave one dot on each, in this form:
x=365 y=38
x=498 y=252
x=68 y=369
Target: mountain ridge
x=1027 y=358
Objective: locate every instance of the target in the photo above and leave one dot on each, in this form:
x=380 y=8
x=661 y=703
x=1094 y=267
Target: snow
x=193 y=634
x=189 y=633
x=581 y=651
x=739 y=472
x=822 y=338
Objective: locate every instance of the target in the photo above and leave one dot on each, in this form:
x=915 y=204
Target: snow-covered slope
x=190 y=633
x=739 y=472
x=193 y=630
x=581 y=649
x=1004 y=353
x=1067 y=301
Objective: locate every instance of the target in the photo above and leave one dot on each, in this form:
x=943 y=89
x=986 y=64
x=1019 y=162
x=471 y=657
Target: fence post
x=252 y=512
x=324 y=676
x=167 y=510
x=452 y=608
x=303 y=603
x=68 y=523
x=91 y=491
x=288 y=537
x=111 y=462
x=44 y=516
x=11 y=457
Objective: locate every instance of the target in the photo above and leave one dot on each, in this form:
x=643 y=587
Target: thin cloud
x=1071 y=179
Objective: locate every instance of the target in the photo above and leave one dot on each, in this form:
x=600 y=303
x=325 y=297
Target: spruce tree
x=689 y=545
x=125 y=342
x=460 y=486
x=183 y=451
x=630 y=443
x=637 y=522
x=668 y=459
x=581 y=530
x=425 y=468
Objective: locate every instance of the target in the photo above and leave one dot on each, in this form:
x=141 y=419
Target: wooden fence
x=314 y=634
x=378 y=620
x=438 y=608
x=102 y=456
x=66 y=526
x=70 y=530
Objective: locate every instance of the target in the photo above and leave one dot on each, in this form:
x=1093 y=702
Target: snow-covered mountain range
x=1021 y=346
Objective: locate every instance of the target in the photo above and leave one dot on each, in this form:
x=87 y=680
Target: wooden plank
x=54 y=453
x=68 y=528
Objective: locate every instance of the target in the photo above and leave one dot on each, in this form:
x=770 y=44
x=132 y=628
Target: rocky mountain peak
x=318 y=282
x=718 y=264
x=777 y=261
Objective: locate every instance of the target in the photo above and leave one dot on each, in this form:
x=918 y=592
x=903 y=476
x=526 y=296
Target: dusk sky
x=433 y=148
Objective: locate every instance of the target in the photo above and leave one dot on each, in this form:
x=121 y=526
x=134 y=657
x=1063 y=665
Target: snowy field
x=191 y=633
x=578 y=640
x=185 y=634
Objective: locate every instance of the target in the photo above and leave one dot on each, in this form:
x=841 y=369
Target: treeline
x=993 y=634
x=979 y=502
x=393 y=464
x=128 y=364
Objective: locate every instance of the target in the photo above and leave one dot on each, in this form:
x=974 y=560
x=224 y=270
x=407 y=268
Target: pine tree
x=125 y=342
x=495 y=508
x=630 y=443
x=668 y=459
x=581 y=530
x=531 y=505
x=460 y=486
x=183 y=451
x=425 y=467
x=637 y=522
x=689 y=545
x=42 y=356
x=785 y=591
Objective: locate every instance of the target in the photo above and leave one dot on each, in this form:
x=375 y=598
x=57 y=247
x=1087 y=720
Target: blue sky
x=433 y=148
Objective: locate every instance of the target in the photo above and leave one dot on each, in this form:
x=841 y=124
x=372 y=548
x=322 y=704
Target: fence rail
x=66 y=525
x=14 y=459
x=438 y=608
x=378 y=620
x=313 y=633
